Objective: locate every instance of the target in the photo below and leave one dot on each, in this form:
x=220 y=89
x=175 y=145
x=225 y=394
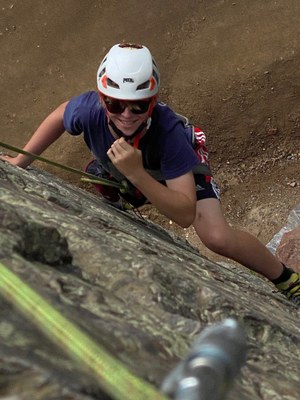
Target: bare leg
x=240 y=246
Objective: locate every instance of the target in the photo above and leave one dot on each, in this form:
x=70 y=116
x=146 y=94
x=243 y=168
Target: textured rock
x=286 y=244
x=138 y=291
x=288 y=250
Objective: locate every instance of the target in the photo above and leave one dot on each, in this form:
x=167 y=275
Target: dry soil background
x=230 y=66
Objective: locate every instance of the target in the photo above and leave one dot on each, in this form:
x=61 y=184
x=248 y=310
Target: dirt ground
x=232 y=67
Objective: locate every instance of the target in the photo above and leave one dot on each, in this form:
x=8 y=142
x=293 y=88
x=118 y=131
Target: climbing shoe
x=291 y=287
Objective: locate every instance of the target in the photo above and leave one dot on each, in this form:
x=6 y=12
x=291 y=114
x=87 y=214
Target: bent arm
x=176 y=201
x=47 y=133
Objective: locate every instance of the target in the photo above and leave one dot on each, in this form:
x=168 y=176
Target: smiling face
x=127 y=121
x=127 y=116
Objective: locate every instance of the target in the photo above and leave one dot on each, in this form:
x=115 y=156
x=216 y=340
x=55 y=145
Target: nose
x=127 y=112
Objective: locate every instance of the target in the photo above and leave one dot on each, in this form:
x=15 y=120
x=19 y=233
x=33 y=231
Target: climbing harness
x=111 y=375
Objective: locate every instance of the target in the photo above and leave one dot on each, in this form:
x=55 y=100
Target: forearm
x=172 y=203
x=176 y=201
x=47 y=133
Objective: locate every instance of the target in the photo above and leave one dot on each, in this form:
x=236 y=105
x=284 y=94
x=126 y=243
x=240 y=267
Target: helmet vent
x=130 y=46
x=156 y=77
x=144 y=85
x=101 y=73
x=112 y=84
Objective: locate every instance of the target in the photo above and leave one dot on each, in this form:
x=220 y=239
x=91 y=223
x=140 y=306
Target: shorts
x=206 y=187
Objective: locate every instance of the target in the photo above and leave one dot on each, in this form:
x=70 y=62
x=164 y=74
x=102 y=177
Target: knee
x=219 y=241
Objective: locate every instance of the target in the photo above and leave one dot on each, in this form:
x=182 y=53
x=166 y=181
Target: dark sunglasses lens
x=139 y=107
x=114 y=106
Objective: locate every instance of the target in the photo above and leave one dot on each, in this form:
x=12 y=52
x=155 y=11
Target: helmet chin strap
x=145 y=124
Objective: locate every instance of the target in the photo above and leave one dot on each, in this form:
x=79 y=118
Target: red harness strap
x=136 y=141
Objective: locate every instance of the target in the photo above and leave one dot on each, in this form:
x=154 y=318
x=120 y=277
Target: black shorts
x=206 y=187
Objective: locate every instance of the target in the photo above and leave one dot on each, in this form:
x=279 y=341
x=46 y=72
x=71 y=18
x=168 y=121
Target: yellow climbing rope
x=111 y=375
x=94 y=178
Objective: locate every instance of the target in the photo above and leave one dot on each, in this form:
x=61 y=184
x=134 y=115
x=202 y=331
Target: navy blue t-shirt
x=166 y=147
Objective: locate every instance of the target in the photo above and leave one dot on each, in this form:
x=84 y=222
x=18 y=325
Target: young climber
x=161 y=156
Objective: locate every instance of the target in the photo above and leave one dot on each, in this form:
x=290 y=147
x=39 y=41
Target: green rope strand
x=101 y=181
x=111 y=375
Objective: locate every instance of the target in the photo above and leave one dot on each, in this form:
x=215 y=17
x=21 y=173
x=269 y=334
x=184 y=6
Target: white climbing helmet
x=128 y=72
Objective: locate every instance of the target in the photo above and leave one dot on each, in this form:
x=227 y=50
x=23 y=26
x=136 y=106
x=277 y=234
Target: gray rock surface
x=286 y=244
x=288 y=250
x=139 y=292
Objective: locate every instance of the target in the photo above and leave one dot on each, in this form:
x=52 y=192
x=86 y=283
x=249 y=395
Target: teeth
x=127 y=123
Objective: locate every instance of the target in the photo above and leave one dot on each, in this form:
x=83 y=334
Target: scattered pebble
x=292 y=184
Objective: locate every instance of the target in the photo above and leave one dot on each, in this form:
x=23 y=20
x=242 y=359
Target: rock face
x=137 y=291
x=286 y=244
x=289 y=249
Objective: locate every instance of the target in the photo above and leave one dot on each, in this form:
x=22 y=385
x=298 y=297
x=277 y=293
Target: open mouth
x=127 y=123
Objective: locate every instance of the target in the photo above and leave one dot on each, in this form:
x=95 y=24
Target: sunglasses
x=116 y=106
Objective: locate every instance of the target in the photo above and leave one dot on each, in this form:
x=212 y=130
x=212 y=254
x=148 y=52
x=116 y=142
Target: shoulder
x=164 y=116
x=170 y=125
x=87 y=100
x=82 y=110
